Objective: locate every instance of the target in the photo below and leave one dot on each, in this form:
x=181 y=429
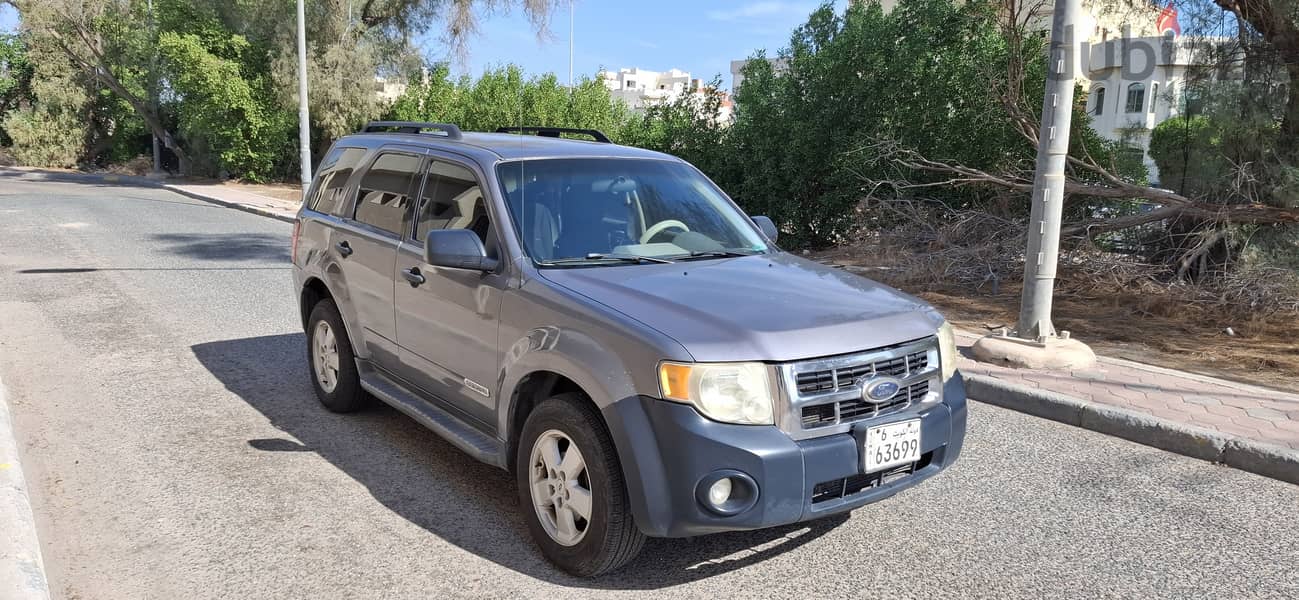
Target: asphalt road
x=157 y=379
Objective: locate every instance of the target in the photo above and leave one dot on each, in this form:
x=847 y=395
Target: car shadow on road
x=430 y=483
x=227 y=246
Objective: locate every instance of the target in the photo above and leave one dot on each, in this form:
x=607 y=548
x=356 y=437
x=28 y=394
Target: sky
x=699 y=36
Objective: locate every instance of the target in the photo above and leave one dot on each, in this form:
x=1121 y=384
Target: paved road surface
x=174 y=449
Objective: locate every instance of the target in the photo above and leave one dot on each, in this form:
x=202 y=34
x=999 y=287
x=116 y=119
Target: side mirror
x=768 y=228
x=457 y=249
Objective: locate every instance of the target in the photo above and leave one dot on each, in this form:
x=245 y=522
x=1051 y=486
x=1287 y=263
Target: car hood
x=773 y=307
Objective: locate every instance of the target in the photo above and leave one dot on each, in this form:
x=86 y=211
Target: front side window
x=383 y=195
x=334 y=172
x=595 y=209
x=452 y=199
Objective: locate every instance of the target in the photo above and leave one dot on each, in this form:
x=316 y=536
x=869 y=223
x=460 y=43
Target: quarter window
x=383 y=196
x=334 y=172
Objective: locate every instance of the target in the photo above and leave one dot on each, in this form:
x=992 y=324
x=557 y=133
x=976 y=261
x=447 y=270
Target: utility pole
x=153 y=92
x=304 y=123
x=570 y=46
x=1034 y=343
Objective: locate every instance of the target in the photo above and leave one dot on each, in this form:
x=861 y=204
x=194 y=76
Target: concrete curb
x=22 y=573
x=235 y=205
x=1188 y=440
x=39 y=175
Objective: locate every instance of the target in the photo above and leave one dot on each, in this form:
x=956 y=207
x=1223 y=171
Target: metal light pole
x=304 y=123
x=1048 y=185
x=1034 y=342
x=153 y=92
x=570 y=45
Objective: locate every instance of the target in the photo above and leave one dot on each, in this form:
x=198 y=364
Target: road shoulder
x=22 y=573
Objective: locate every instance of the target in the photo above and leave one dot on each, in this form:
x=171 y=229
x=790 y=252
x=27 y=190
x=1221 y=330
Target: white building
x=778 y=65
x=641 y=89
x=1134 y=84
x=389 y=90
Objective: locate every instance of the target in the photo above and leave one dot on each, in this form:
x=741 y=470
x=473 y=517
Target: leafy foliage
x=50 y=128
x=504 y=96
x=219 y=108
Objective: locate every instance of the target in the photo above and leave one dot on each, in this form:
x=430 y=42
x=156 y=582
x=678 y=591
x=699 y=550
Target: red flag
x=1167 y=21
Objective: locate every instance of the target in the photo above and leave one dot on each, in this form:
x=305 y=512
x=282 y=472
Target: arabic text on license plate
x=892 y=445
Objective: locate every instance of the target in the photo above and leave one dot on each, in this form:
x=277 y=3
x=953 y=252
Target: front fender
x=612 y=386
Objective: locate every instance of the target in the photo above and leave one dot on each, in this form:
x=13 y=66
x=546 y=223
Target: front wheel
x=571 y=489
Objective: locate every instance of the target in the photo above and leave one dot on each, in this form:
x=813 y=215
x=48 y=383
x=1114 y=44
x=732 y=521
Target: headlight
x=728 y=392
x=947 y=350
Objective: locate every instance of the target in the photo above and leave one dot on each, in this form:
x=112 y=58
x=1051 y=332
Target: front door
x=447 y=325
x=366 y=242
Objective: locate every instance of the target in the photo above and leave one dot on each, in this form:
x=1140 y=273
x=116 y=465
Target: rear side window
x=334 y=171
x=452 y=199
x=383 y=196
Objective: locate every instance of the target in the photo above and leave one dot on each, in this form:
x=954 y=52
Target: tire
x=609 y=538
x=346 y=394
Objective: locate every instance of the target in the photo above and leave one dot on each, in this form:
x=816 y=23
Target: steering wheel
x=660 y=227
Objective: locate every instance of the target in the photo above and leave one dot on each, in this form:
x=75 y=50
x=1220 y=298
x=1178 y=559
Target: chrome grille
x=821 y=415
x=825 y=380
x=823 y=396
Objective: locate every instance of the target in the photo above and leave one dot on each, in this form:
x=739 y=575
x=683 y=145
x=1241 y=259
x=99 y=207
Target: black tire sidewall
x=563 y=413
x=347 y=395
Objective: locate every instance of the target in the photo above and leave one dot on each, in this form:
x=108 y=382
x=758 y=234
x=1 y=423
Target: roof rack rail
x=447 y=129
x=556 y=131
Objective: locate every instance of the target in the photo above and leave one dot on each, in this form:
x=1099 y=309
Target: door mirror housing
x=767 y=226
x=457 y=249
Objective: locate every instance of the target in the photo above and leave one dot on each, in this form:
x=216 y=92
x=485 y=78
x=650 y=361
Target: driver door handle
x=344 y=249
x=413 y=276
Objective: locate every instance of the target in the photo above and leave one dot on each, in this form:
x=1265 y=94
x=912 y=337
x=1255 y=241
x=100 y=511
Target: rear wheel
x=333 y=366
x=571 y=489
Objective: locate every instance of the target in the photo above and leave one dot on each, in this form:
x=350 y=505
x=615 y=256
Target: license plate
x=892 y=445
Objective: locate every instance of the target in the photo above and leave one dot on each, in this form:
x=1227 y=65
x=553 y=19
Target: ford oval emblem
x=880 y=389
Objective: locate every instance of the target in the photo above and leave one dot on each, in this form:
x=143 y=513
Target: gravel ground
x=157 y=379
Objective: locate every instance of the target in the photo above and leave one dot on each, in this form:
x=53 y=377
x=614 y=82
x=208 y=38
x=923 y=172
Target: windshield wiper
x=720 y=253
x=631 y=258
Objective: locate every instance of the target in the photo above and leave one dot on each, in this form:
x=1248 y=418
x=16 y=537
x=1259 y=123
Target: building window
x=1194 y=101
x=1136 y=98
x=1098 y=101
x=631 y=84
x=1154 y=96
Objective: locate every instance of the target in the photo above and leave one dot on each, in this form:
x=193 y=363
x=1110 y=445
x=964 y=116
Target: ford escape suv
x=606 y=324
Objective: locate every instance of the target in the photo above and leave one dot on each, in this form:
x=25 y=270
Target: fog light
x=720 y=491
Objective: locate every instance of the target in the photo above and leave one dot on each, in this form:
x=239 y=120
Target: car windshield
x=589 y=211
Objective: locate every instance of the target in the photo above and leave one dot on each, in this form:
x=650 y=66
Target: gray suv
x=607 y=325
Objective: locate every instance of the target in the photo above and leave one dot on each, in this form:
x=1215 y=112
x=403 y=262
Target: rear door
x=447 y=326
x=366 y=243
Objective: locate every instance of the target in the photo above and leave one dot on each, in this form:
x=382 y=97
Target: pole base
x=1043 y=353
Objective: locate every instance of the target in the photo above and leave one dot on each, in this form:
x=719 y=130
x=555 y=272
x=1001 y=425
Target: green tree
x=49 y=128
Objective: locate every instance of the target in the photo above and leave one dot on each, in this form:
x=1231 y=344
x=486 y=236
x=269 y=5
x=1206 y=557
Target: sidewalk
x=284 y=210
x=1247 y=427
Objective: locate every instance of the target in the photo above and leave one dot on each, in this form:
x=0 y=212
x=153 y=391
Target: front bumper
x=667 y=449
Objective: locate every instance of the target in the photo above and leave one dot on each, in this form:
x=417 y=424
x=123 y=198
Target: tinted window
x=384 y=193
x=451 y=200
x=334 y=172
